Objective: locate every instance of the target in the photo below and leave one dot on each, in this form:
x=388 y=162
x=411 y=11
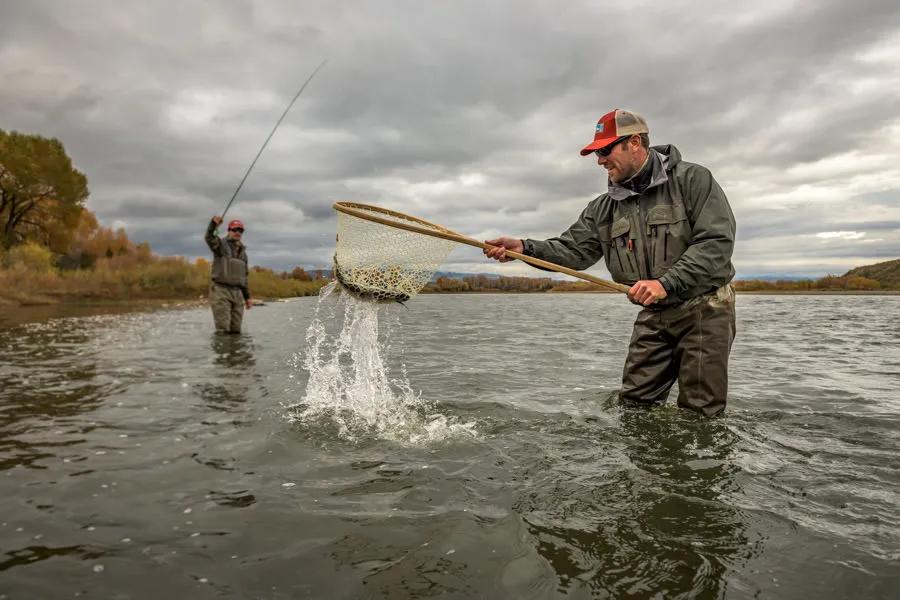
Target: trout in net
x=368 y=292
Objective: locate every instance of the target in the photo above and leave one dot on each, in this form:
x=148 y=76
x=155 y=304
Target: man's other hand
x=647 y=292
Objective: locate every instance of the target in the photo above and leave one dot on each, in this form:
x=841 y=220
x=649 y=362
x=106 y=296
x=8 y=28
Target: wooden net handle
x=364 y=211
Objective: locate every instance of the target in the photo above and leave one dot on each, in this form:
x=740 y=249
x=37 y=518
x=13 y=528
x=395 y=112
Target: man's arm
x=577 y=248
x=212 y=240
x=712 y=235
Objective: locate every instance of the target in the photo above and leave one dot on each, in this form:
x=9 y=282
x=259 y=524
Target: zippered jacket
x=680 y=230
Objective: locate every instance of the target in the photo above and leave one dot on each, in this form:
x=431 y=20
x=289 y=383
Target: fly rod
x=283 y=115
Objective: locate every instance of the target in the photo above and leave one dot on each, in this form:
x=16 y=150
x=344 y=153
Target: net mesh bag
x=385 y=263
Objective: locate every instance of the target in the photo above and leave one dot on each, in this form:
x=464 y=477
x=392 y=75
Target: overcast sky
x=468 y=114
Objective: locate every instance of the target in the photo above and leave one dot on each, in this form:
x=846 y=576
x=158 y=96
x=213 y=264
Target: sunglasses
x=607 y=150
x=238 y=229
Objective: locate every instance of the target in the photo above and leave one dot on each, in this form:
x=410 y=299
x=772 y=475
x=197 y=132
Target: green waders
x=689 y=342
x=227 y=307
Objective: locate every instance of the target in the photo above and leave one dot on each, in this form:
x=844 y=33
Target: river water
x=143 y=456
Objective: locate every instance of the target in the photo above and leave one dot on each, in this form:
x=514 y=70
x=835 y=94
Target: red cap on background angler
x=612 y=126
x=235 y=224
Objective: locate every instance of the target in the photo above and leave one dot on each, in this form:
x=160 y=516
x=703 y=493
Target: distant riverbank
x=12 y=314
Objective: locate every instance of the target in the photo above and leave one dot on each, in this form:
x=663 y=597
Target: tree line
x=483 y=283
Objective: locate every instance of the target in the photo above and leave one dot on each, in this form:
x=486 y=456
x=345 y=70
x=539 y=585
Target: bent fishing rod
x=283 y=115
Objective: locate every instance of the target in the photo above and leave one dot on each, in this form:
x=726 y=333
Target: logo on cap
x=600 y=127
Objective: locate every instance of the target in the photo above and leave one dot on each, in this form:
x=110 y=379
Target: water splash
x=349 y=384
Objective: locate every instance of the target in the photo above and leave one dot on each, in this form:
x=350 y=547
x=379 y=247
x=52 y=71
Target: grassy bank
x=28 y=276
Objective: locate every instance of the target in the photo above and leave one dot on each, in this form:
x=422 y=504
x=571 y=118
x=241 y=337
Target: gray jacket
x=229 y=261
x=680 y=230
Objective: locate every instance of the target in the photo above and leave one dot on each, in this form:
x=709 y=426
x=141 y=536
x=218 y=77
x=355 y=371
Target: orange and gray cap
x=613 y=125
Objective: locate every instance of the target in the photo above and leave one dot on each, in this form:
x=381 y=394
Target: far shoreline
x=12 y=314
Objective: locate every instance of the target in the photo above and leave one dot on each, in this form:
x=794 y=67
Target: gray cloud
x=465 y=113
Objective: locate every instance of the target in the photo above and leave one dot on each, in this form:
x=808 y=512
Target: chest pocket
x=618 y=244
x=669 y=234
x=234 y=268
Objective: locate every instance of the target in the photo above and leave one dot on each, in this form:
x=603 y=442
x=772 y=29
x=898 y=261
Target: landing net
x=386 y=263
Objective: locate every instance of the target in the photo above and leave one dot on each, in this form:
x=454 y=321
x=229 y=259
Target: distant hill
x=886 y=273
x=457 y=275
x=771 y=277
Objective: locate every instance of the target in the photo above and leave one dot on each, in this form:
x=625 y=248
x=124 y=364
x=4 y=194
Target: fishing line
x=283 y=115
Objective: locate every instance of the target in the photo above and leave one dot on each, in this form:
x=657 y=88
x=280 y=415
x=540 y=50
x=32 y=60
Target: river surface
x=144 y=456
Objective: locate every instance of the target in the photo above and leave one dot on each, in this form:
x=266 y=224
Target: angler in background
x=229 y=292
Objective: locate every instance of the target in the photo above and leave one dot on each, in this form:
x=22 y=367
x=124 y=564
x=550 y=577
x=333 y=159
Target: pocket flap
x=620 y=227
x=664 y=214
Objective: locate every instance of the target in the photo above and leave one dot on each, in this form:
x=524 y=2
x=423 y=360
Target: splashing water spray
x=349 y=384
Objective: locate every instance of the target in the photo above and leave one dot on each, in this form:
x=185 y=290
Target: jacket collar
x=657 y=163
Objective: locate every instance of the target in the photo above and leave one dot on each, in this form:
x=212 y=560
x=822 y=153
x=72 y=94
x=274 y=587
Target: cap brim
x=597 y=144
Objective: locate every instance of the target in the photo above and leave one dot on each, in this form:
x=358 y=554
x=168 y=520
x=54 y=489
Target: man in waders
x=228 y=293
x=666 y=230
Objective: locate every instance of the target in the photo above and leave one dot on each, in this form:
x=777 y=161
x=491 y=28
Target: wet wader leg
x=237 y=310
x=703 y=349
x=219 y=300
x=649 y=368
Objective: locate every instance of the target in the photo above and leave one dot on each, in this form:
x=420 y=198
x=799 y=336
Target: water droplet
x=188 y=511
x=98 y=568
x=288 y=485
